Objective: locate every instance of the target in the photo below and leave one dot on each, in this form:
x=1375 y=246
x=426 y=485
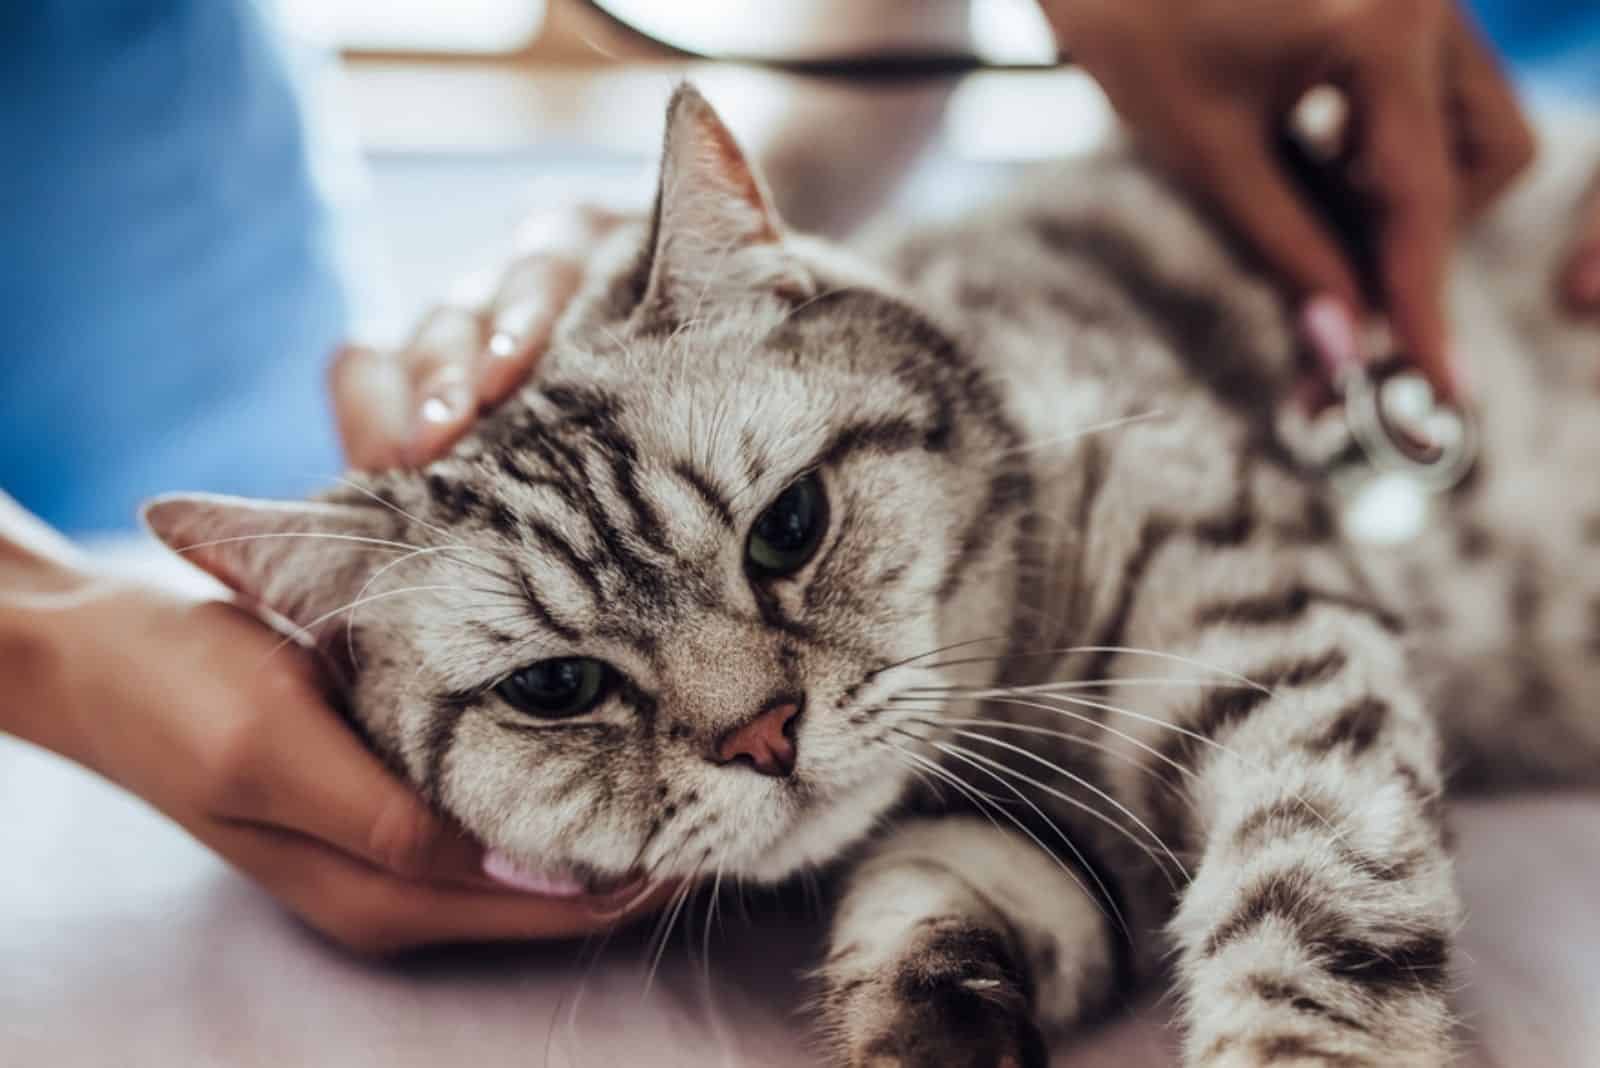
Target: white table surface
x=124 y=942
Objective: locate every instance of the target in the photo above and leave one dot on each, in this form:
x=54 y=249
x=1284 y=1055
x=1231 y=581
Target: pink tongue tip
x=502 y=869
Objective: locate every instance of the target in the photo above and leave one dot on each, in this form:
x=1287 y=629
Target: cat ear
x=301 y=560
x=714 y=230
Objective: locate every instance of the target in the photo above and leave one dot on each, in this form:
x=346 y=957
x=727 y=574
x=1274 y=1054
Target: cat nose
x=767 y=741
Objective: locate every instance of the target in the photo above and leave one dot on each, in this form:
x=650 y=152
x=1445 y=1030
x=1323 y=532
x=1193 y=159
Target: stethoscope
x=1392 y=417
x=1392 y=421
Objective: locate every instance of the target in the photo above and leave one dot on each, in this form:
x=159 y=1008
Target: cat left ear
x=301 y=560
x=714 y=229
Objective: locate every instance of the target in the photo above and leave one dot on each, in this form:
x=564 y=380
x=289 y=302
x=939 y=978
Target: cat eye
x=788 y=532
x=556 y=689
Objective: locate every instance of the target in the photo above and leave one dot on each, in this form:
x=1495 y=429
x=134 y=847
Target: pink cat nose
x=767 y=741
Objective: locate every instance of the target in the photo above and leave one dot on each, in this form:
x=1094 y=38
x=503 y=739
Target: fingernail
x=1331 y=328
x=505 y=871
x=445 y=401
x=504 y=345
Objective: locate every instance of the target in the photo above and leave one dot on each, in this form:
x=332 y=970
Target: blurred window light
x=439 y=26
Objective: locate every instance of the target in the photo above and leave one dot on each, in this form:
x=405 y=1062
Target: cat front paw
x=956 y=999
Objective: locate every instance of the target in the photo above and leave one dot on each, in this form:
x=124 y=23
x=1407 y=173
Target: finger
x=1492 y=139
x=535 y=290
x=531 y=298
x=1404 y=168
x=306 y=772
x=376 y=913
x=372 y=405
x=1230 y=161
x=1580 y=279
x=441 y=361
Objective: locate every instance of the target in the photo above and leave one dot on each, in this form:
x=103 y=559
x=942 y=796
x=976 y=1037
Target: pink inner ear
x=730 y=164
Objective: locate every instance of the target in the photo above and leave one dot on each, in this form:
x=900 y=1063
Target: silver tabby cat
x=794 y=556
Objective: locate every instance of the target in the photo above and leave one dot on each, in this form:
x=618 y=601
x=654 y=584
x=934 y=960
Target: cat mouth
x=565 y=882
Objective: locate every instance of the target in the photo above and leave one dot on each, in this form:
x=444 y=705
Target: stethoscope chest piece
x=1400 y=426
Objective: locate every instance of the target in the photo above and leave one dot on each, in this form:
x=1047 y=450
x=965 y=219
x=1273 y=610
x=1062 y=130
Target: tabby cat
x=975 y=569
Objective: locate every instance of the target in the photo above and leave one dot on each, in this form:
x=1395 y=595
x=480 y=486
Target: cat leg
x=1318 y=925
x=959 y=945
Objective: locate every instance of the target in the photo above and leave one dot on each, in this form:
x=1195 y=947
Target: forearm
x=39 y=576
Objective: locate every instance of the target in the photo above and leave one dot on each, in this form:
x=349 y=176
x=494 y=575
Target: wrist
x=40 y=604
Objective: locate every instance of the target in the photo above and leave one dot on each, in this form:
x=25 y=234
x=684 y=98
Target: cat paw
x=955 y=1000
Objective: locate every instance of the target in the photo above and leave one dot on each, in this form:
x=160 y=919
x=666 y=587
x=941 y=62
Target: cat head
x=666 y=609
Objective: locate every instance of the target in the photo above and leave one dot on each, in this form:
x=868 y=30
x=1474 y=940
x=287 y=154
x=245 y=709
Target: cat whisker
x=1096 y=724
x=1068 y=650
x=1066 y=736
x=306 y=633
x=935 y=652
x=1069 y=799
x=671 y=918
x=395 y=508
x=1157 y=681
x=1142 y=717
x=1165 y=725
x=397 y=546
x=448 y=537
x=1104 y=900
x=984 y=803
x=1079 y=434
x=349 y=627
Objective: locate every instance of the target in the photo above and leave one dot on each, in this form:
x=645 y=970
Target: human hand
x=1209 y=85
x=406 y=407
x=207 y=715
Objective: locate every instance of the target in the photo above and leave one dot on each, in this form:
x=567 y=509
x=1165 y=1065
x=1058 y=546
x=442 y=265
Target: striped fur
x=1120 y=702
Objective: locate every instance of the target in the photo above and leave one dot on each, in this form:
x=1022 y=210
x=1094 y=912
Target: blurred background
x=205 y=197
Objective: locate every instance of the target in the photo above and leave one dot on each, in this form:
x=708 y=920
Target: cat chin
x=826 y=830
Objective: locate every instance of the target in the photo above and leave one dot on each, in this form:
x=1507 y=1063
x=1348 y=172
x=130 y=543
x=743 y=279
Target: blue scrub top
x=1552 y=45
x=168 y=292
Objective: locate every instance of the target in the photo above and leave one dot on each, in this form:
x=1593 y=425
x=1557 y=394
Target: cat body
x=975 y=568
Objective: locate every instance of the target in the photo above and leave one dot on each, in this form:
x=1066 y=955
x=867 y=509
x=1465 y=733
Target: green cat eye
x=788 y=532
x=556 y=689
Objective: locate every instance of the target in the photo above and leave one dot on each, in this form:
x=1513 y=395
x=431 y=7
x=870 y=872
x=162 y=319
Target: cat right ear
x=302 y=560
x=714 y=230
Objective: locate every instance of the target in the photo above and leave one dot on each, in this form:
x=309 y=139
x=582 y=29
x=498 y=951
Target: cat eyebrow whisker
x=934 y=652
x=349 y=626
x=1076 y=435
x=393 y=507
x=305 y=632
